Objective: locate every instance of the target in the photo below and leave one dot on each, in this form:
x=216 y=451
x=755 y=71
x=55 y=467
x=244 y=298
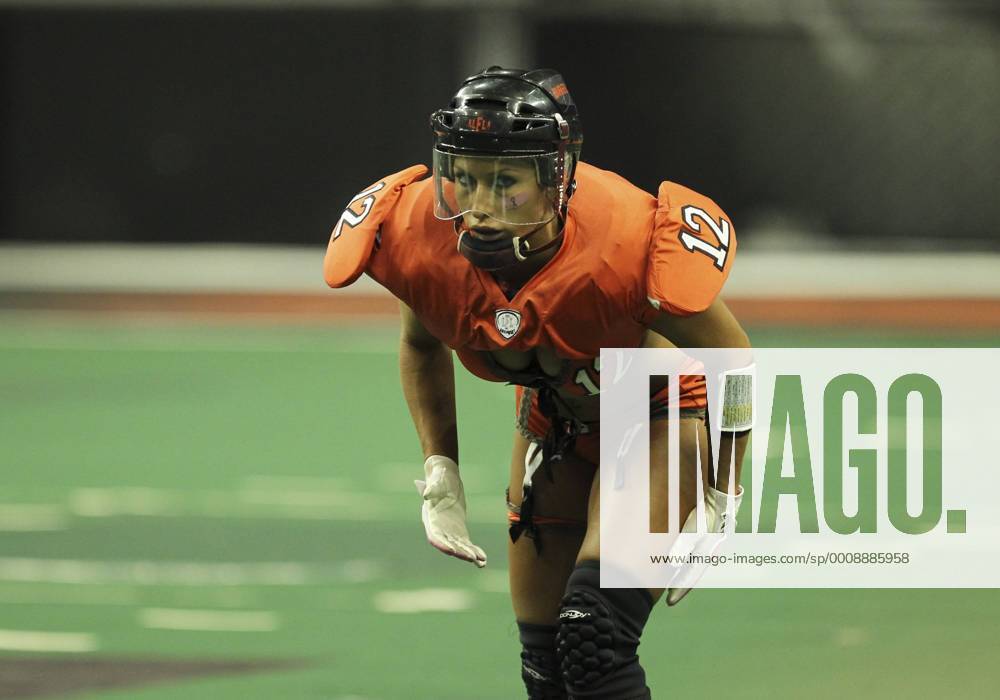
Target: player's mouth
x=488 y=235
x=487 y=240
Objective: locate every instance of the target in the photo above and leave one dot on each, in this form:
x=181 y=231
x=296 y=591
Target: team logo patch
x=508 y=322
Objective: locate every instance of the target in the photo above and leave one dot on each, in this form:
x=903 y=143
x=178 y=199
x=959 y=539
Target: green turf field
x=231 y=493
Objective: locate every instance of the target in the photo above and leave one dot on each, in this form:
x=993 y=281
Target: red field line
x=273 y=306
x=970 y=313
x=870 y=313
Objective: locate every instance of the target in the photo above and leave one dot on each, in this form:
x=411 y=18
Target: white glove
x=720 y=512
x=443 y=511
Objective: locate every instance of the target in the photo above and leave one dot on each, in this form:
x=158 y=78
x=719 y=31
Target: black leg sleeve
x=598 y=637
x=539 y=668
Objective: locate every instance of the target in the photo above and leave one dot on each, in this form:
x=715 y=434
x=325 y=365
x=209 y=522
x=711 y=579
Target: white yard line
x=208 y=620
x=424 y=600
x=62 y=642
x=302 y=504
x=295 y=499
x=31 y=517
x=102 y=502
x=180 y=573
x=32 y=593
x=154 y=573
x=121 y=595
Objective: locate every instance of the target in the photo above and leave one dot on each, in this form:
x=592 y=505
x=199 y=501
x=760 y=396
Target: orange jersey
x=624 y=255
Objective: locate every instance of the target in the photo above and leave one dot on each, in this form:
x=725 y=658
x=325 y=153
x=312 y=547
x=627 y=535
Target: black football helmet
x=509 y=111
x=501 y=119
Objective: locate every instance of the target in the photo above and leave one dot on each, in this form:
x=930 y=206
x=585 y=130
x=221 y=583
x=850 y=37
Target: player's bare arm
x=428 y=378
x=715 y=327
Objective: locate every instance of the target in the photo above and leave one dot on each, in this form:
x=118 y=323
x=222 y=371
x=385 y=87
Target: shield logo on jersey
x=508 y=323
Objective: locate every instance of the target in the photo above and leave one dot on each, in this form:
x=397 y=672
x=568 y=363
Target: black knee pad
x=539 y=668
x=598 y=637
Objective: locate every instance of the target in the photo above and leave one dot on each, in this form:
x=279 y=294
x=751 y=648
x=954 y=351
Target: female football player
x=525 y=262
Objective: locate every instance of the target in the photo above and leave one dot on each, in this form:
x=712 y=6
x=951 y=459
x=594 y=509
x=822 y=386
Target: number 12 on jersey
x=691 y=215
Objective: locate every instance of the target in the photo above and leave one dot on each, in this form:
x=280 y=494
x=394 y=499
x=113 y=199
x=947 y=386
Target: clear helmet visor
x=515 y=190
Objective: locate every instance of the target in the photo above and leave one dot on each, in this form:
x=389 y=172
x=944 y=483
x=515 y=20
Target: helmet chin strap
x=494 y=256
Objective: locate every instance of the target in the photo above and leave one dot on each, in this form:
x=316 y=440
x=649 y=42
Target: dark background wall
x=898 y=142
x=208 y=125
x=257 y=126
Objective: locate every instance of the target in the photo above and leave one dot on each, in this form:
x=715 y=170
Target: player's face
x=499 y=193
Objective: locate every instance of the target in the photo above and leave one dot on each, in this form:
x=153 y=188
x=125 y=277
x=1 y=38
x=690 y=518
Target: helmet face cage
x=502 y=125
x=518 y=190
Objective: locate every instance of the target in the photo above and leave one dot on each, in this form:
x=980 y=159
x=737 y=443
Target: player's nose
x=480 y=218
x=484 y=202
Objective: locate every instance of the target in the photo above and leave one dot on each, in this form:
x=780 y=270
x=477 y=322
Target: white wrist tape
x=439 y=461
x=736 y=386
x=724 y=509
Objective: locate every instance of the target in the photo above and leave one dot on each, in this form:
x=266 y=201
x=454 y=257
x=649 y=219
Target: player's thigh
x=538 y=578
x=693 y=439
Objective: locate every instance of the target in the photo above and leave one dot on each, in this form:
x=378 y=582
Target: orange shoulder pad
x=690 y=253
x=353 y=238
